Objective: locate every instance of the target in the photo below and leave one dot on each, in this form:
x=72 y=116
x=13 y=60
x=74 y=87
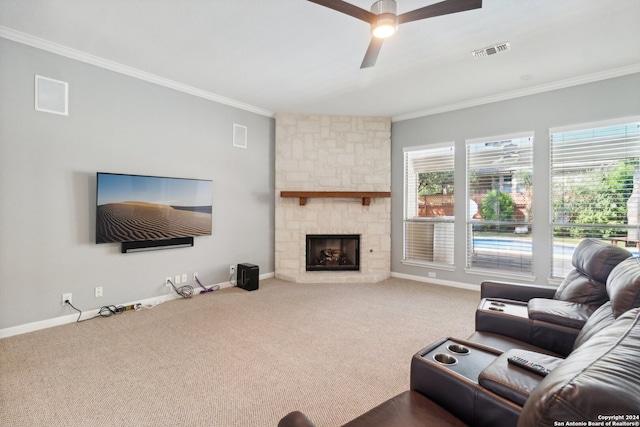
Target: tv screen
x=135 y=207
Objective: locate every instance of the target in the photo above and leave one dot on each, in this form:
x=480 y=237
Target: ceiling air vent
x=491 y=50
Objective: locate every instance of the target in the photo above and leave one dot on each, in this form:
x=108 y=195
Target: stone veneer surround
x=332 y=153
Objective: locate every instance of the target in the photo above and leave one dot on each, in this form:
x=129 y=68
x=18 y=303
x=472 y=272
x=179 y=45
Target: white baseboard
x=440 y=282
x=70 y=318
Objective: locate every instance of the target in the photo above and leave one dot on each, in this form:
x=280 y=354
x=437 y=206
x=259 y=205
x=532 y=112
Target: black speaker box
x=247 y=276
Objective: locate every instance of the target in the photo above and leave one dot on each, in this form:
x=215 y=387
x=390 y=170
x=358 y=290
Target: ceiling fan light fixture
x=385 y=26
x=386 y=22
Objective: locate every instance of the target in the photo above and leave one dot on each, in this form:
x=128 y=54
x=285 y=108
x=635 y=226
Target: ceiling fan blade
x=372 y=53
x=347 y=8
x=443 y=8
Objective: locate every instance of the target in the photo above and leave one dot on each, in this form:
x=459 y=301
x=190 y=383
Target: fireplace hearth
x=333 y=252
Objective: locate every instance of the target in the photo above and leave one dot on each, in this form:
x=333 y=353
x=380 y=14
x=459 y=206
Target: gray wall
x=116 y=124
x=608 y=99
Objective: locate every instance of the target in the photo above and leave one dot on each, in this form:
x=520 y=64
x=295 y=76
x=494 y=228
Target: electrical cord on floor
x=105 y=310
x=205 y=289
x=185 y=291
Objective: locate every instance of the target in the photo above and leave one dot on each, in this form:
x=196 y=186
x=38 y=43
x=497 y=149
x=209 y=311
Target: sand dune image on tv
x=135 y=220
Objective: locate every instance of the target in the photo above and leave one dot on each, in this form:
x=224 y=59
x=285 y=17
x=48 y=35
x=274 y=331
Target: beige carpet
x=231 y=358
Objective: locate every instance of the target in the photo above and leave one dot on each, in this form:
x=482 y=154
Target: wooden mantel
x=366 y=196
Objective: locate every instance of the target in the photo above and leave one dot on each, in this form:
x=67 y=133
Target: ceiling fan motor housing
x=385 y=6
x=387 y=16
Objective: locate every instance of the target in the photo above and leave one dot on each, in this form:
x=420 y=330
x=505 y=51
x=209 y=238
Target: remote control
x=528 y=365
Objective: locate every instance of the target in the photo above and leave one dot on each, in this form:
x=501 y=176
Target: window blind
x=429 y=204
x=595 y=194
x=500 y=197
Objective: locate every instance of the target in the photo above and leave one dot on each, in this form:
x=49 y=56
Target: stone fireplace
x=332 y=154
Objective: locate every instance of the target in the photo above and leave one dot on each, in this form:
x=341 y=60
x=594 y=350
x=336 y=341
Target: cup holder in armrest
x=463 y=358
x=458 y=349
x=497 y=304
x=496 y=309
x=445 y=359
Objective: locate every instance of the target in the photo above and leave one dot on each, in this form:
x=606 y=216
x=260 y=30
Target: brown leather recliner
x=593 y=260
x=623 y=286
x=533 y=315
x=496 y=394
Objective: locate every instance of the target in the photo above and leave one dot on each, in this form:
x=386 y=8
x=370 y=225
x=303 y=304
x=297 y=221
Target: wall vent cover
x=491 y=50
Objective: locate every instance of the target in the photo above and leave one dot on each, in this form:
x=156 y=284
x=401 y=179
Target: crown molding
x=97 y=61
x=561 y=84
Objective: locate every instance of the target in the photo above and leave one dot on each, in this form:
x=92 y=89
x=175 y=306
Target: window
x=594 y=187
x=429 y=205
x=500 y=195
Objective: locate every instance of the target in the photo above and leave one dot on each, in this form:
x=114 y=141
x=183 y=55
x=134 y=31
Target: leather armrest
x=554 y=337
x=295 y=419
x=512 y=382
x=408 y=409
x=505 y=343
x=515 y=291
x=510 y=322
x=455 y=387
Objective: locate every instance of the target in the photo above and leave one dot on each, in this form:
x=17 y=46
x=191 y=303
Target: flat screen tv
x=132 y=208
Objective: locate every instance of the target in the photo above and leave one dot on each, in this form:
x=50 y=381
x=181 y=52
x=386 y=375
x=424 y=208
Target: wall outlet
x=98 y=291
x=431 y=274
x=66 y=297
x=195 y=276
x=232 y=269
x=167 y=281
x=177 y=280
x=184 y=278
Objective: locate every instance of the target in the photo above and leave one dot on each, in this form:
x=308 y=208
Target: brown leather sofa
x=457 y=382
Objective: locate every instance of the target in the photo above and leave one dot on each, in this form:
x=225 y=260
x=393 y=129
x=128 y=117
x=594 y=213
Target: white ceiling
x=296 y=56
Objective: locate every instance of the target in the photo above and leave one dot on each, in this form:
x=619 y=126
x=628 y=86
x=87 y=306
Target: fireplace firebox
x=333 y=252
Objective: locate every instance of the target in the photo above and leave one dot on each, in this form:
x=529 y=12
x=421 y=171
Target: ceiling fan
x=384 y=18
